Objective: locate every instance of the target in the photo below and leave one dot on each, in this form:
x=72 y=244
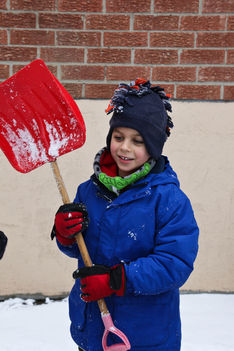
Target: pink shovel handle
x=110 y=328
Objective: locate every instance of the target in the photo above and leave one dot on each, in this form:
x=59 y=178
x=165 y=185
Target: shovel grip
x=79 y=237
x=110 y=328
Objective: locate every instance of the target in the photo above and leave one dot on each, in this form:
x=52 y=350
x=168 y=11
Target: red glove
x=70 y=220
x=100 y=281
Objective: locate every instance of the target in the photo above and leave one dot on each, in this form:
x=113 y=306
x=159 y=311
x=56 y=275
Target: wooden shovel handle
x=79 y=237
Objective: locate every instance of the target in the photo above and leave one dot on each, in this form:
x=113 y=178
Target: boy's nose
x=125 y=145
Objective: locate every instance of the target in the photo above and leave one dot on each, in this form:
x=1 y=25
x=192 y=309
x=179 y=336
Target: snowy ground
x=208 y=324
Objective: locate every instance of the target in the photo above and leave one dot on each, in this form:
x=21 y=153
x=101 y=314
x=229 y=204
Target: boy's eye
x=137 y=141
x=117 y=137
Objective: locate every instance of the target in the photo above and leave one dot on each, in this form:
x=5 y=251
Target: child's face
x=128 y=150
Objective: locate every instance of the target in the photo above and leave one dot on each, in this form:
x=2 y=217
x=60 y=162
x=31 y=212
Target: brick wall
x=185 y=46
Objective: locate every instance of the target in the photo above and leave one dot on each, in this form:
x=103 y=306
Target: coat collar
x=161 y=174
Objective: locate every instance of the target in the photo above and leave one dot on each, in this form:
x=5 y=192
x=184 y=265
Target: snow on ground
x=207 y=320
x=28 y=327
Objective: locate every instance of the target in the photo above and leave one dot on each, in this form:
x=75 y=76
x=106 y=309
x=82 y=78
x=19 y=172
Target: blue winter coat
x=151 y=227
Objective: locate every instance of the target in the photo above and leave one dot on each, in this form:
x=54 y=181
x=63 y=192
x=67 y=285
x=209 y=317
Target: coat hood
x=163 y=173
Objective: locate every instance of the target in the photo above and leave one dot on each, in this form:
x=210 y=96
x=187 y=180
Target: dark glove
x=100 y=281
x=70 y=220
x=3 y=243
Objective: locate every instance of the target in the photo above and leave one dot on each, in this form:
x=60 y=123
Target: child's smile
x=128 y=150
x=125 y=159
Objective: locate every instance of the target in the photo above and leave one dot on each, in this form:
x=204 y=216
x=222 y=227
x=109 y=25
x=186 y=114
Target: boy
x=138 y=226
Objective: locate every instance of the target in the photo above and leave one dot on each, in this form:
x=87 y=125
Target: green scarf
x=117 y=183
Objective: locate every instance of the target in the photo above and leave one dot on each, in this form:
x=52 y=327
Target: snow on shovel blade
x=39 y=120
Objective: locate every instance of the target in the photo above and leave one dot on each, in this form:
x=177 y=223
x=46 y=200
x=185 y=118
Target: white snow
x=33 y=146
x=57 y=138
x=207 y=324
x=27 y=327
x=23 y=143
x=132 y=235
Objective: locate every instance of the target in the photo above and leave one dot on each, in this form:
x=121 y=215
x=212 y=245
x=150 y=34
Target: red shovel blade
x=39 y=120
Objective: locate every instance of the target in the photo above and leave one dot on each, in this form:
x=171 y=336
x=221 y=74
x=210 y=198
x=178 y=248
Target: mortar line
x=104 y=6
x=131 y=17
x=200 y=7
x=37 y=21
x=222 y=91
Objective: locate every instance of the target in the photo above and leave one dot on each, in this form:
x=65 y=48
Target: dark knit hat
x=142 y=107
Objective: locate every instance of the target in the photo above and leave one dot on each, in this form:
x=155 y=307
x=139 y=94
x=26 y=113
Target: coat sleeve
x=176 y=245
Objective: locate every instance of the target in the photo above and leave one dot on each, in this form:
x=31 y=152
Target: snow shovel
x=40 y=121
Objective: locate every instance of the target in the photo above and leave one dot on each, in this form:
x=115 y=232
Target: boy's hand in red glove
x=70 y=219
x=101 y=281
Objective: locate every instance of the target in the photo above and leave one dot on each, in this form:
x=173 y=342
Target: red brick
x=83 y=72
x=74 y=89
x=230 y=23
x=79 y=38
x=173 y=74
x=198 y=92
x=129 y=39
x=113 y=22
x=99 y=91
x=80 y=6
x=3 y=5
x=155 y=57
x=215 y=39
x=53 y=69
x=128 y=6
x=172 y=39
x=206 y=23
x=152 y=22
x=230 y=57
x=228 y=93
x=16 y=68
x=218 y=6
x=31 y=37
x=109 y=55
x=177 y=6
x=59 y=20
x=216 y=74
x=62 y=54
x=20 y=20
x=4 y=71
x=127 y=72
x=36 y=5
x=3 y=37
x=17 y=54
x=196 y=56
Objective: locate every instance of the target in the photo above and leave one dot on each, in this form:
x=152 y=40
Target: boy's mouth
x=125 y=158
